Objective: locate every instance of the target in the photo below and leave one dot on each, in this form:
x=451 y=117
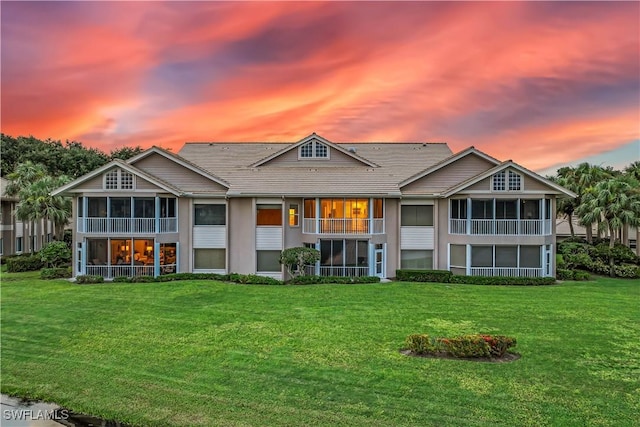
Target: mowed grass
x=204 y=353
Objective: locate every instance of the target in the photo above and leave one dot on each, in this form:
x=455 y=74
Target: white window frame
x=315 y=146
x=118 y=184
x=506 y=181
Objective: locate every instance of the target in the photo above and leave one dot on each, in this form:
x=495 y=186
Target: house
x=16 y=236
x=369 y=208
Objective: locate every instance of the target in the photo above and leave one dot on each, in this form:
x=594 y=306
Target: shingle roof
x=232 y=162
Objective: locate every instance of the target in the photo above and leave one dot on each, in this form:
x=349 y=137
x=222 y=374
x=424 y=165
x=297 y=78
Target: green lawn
x=206 y=353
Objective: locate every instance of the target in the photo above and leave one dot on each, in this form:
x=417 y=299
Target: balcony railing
x=338 y=271
x=507 y=271
x=343 y=226
x=503 y=227
x=127 y=225
x=111 y=271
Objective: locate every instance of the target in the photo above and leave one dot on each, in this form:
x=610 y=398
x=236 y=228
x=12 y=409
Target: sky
x=542 y=83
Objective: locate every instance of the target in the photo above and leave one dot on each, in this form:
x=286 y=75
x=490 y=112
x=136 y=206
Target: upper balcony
x=501 y=227
x=343 y=216
x=127 y=215
x=343 y=226
x=127 y=225
x=500 y=217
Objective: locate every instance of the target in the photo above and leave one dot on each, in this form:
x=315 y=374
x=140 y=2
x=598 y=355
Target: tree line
x=34 y=168
x=70 y=158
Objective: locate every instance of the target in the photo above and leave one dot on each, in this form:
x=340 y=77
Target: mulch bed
x=508 y=357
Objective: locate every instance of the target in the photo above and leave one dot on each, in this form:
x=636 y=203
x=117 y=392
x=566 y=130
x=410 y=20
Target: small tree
x=295 y=259
x=56 y=254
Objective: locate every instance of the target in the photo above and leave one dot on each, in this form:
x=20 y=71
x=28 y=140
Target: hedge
x=440 y=276
x=472 y=346
x=89 y=279
x=316 y=280
x=56 y=273
x=444 y=276
x=23 y=263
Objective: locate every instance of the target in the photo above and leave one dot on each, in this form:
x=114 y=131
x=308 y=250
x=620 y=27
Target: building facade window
x=208 y=259
x=268 y=261
x=507 y=180
x=269 y=214
x=210 y=214
x=294 y=215
x=416 y=215
x=313 y=150
x=416 y=259
x=118 y=179
x=19 y=247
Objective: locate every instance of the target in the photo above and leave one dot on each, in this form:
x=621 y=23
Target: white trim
x=508 y=164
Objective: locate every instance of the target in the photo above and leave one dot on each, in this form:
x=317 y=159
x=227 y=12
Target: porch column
x=157 y=214
x=468 y=217
x=177 y=257
x=156 y=258
x=317 y=215
x=85 y=211
x=468 y=260
x=108 y=214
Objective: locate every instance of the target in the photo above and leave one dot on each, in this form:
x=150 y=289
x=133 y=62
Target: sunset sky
x=544 y=84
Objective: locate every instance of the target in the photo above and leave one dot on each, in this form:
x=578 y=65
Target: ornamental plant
x=296 y=259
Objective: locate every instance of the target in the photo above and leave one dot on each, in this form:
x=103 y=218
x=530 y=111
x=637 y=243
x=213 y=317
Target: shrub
x=438 y=276
x=56 y=254
x=252 y=279
x=296 y=259
x=472 y=346
x=564 y=274
x=23 y=263
x=316 y=280
x=55 y=273
x=89 y=279
x=627 y=271
x=503 y=280
x=122 y=279
x=422 y=344
x=581 y=275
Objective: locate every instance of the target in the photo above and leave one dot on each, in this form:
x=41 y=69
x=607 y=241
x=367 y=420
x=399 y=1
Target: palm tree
x=585 y=177
x=33 y=187
x=566 y=206
x=615 y=202
x=20 y=181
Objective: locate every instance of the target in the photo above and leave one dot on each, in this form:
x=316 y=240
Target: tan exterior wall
x=94 y=183
x=178 y=175
x=336 y=158
x=185 y=219
x=242 y=236
x=392 y=228
x=292 y=235
x=449 y=176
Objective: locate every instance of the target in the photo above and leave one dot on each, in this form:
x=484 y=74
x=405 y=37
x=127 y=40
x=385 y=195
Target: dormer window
x=507 y=181
x=314 y=150
x=117 y=179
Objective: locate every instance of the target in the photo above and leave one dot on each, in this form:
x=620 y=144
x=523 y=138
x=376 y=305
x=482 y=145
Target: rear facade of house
x=369 y=208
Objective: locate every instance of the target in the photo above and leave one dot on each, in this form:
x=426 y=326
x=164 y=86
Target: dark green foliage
x=253 y=279
x=467 y=346
x=316 y=280
x=443 y=276
x=564 y=274
x=55 y=273
x=581 y=275
x=295 y=259
x=125 y=153
x=596 y=258
x=71 y=159
x=627 y=271
x=503 y=281
x=22 y=263
x=81 y=280
x=193 y=276
x=122 y=279
x=56 y=254
x=439 y=276
x=142 y=279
